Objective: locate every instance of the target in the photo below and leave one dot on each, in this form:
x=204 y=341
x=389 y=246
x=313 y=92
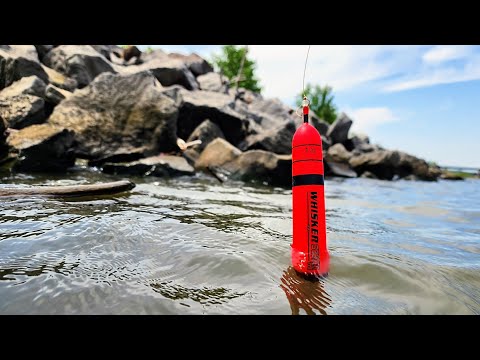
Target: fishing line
x=305 y=101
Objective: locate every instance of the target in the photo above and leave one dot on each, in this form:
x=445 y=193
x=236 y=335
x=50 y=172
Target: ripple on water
x=196 y=246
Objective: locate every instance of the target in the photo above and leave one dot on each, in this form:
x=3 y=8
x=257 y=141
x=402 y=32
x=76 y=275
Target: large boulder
x=385 y=164
x=277 y=139
x=30 y=85
x=213 y=81
x=338 y=169
x=338 y=131
x=319 y=124
x=195 y=63
x=216 y=154
x=42 y=148
x=80 y=62
x=167 y=70
x=263 y=166
x=118 y=113
x=161 y=165
x=196 y=106
x=20 y=111
x=17 y=61
x=221 y=157
x=60 y=80
x=207 y=131
x=338 y=153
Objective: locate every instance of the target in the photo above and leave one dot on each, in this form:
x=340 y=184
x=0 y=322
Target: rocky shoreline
x=125 y=116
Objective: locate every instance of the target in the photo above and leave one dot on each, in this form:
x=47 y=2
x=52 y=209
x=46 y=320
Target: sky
x=422 y=99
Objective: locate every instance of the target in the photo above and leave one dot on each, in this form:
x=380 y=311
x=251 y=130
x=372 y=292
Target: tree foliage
x=321 y=102
x=229 y=62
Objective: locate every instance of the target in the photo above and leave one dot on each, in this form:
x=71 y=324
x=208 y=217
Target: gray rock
x=326 y=143
x=43 y=50
x=368 y=175
x=161 y=165
x=364 y=148
x=216 y=154
x=60 y=80
x=338 y=131
x=277 y=140
x=119 y=112
x=450 y=176
x=338 y=153
x=3 y=143
x=213 y=82
x=339 y=169
x=121 y=155
x=22 y=110
x=168 y=71
x=207 y=131
x=80 y=62
x=42 y=148
x=386 y=164
x=263 y=166
x=30 y=85
x=55 y=95
x=196 y=106
x=360 y=139
x=17 y=61
x=107 y=50
x=195 y=63
x=272 y=107
x=319 y=124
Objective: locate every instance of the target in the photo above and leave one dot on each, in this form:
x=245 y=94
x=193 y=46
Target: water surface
x=195 y=246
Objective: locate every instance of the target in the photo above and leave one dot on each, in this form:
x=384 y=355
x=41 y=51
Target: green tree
x=321 y=102
x=229 y=63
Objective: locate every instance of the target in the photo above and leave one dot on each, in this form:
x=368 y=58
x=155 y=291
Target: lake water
x=195 y=246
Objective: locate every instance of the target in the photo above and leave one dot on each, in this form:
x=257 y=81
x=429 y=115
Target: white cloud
x=439 y=75
x=442 y=53
x=373 y=68
x=365 y=119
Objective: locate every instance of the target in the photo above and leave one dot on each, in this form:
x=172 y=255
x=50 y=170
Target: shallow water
x=194 y=246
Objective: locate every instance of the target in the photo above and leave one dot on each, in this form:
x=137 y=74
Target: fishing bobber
x=309 y=248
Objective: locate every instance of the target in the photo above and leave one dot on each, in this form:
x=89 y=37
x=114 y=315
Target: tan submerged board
x=73 y=190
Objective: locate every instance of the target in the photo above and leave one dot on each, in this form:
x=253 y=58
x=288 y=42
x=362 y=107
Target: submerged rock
x=42 y=148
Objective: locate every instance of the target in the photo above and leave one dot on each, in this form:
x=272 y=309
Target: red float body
x=309 y=249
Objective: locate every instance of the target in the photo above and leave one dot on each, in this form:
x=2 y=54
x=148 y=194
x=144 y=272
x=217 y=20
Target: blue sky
x=422 y=99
